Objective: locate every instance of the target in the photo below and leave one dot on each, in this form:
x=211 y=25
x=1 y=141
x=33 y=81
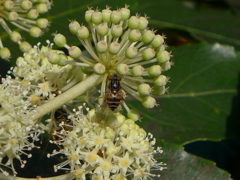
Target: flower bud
x=88 y=15
x=35 y=32
x=125 y=13
x=110 y=133
x=5 y=53
x=157 y=41
x=116 y=17
x=144 y=89
x=75 y=52
x=25 y=46
x=154 y=71
x=12 y=16
x=134 y=35
x=42 y=23
x=143 y=23
x=96 y=17
x=131 y=52
x=116 y=30
x=166 y=66
x=163 y=56
x=26 y=5
x=32 y=14
x=133 y=22
x=148 y=102
x=60 y=40
x=73 y=27
x=148 y=36
x=159 y=90
x=8 y=5
x=122 y=69
x=42 y=8
x=148 y=54
x=160 y=80
x=99 y=68
x=106 y=13
x=114 y=48
x=15 y=36
x=102 y=29
x=53 y=57
x=83 y=33
x=101 y=47
x=137 y=71
x=133 y=114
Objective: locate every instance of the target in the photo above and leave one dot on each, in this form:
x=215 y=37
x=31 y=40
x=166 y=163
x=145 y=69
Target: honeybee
x=60 y=122
x=114 y=93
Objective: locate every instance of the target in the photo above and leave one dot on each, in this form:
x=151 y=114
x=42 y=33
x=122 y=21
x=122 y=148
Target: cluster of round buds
x=122 y=45
x=116 y=148
x=23 y=14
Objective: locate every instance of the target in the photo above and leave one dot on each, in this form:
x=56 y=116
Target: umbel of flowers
x=120 y=44
x=113 y=148
x=24 y=14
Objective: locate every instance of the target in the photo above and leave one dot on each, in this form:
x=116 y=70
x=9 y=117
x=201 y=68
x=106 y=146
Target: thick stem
x=65 y=97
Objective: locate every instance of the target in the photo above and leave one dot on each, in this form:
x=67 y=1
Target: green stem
x=65 y=97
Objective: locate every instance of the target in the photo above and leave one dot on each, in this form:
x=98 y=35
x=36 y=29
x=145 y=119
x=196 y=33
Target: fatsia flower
x=122 y=45
x=24 y=14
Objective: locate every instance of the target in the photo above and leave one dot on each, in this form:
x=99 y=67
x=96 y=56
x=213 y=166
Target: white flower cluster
x=113 y=148
x=23 y=14
x=36 y=82
x=122 y=45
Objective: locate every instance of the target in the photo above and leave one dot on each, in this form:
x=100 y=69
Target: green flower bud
x=32 y=14
x=148 y=54
x=82 y=33
x=116 y=17
x=125 y=13
x=42 y=23
x=163 y=56
x=99 y=68
x=25 y=46
x=15 y=36
x=159 y=90
x=5 y=53
x=101 y=47
x=12 y=16
x=75 y=52
x=131 y=52
x=8 y=5
x=26 y=5
x=102 y=29
x=133 y=22
x=148 y=36
x=166 y=66
x=134 y=35
x=53 y=57
x=35 y=32
x=73 y=27
x=42 y=8
x=116 y=31
x=88 y=15
x=154 y=71
x=143 y=23
x=149 y=102
x=60 y=40
x=133 y=114
x=122 y=69
x=157 y=41
x=160 y=80
x=144 y=89
x=96 y=17
x=106 y=13
x=114 y=48
x=137 y=71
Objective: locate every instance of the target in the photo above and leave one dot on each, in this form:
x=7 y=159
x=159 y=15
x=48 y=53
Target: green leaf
x=203 y=82
x=184 y=166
